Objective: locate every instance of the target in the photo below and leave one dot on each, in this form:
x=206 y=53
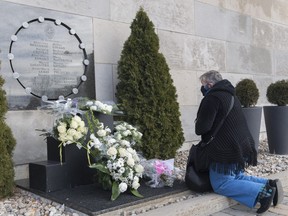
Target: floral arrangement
x=159 y=173
x=99 y=106
x=112 y=154
x=70 y=129
x=118 y=164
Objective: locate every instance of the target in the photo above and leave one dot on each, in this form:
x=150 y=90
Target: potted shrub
x=276 y=117
x=248 y=95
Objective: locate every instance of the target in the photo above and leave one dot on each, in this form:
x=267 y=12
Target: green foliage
x=247 y=92
x=277 y=93
x=7 y=144
x=146 y=92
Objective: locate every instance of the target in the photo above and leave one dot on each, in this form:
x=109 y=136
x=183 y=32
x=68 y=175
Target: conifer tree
x=146 y=92
x=7 y=144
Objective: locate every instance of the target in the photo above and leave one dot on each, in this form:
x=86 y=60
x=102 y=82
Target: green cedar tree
x=146 y=93
x=7 y=144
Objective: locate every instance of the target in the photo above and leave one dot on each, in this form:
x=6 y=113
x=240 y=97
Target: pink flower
x=160 y=167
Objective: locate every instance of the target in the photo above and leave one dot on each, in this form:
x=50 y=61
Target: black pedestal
x=107 y=120
x=50 y=175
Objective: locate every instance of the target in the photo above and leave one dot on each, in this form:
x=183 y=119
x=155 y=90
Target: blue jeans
x=237 y=185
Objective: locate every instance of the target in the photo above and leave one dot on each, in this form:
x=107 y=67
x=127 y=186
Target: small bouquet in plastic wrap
x=159 y=173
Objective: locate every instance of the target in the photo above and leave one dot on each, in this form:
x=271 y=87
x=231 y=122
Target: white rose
x=61 y=129
x=107 y=108
x=93 y=108
x=73 y=124
x=118 y=136
x=89 y=103
x=69 y=138
x=119 y=128
x=77 y=118
x=101 y=133
x=126 y=133
x=71 y=132
x=139 y=168
x=81 y=124
x=130 y=162
x=125 y=143
x=78 y=135
x=92 y=137
x=62 y=137
x=123 y=187
x=135 y=185
x=112 y=151
x=111 y=141
x=122 y=152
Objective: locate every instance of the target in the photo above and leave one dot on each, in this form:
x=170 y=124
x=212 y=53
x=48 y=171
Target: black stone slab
x=93 y=200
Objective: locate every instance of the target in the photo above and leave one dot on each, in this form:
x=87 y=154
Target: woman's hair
x=211 y=76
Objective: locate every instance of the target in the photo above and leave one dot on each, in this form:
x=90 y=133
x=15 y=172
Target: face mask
x=204 y=89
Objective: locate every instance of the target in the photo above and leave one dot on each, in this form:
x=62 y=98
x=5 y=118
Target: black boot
x=279 y=194
x=265 y=198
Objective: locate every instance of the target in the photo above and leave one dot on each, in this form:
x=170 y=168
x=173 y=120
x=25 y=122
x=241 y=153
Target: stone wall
x=241 y=39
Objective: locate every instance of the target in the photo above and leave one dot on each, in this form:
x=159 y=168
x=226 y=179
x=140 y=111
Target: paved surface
x=216 y=205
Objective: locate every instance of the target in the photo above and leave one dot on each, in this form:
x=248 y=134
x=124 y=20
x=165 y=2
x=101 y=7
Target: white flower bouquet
x=117 y=162
x=70 y=129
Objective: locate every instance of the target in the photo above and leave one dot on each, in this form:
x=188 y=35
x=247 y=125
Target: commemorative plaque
x=54 y=62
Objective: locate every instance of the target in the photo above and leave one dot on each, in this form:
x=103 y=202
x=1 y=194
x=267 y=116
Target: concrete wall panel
x=195 y=53
x=92 y=8
x=262 y=34
x=109 y=38
x=186 y=83
x=171 y=15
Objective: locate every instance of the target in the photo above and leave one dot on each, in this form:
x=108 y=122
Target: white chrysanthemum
x=123 y=187
x=122 y=170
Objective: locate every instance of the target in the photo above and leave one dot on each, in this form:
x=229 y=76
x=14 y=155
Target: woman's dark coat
x=233 y=144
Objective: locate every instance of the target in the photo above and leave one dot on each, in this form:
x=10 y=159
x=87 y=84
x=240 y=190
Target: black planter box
x=107 y=120
x=51 y=175
x=48 y=176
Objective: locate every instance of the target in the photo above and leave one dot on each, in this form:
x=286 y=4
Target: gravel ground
x=24 y=203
